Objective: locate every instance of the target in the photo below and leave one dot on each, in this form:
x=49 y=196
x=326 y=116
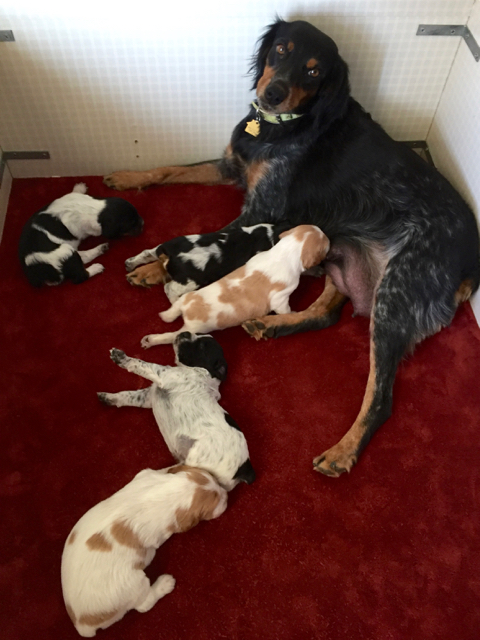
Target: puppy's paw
x=95 y=269
x=130 y=264
x=103 y=248
x=104 y=398
x=117 y=356
x=147 y=341
x=163 y=585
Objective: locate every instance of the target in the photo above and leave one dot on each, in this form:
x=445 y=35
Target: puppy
x=108 y=549
x=190 y=262
x=184 y=400
x=49 y=241
x=263 y=285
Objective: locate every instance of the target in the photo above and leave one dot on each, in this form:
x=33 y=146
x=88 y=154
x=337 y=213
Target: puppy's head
x=298 y=69
x=200 y=351
x=119 y=218
x=315 y=244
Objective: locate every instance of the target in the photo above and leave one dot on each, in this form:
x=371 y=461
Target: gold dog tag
x=253 y=127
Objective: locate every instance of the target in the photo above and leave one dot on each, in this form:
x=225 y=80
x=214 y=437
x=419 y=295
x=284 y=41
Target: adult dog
x=404 y=245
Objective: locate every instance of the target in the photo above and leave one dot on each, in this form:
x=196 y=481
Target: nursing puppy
x=190 y=262
x=263 y=285
x=108 y=549
x=49 y=241
x=184 y=400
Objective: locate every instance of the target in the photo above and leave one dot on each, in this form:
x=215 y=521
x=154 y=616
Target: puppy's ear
x=220 y=370
x=332 y=97
x=264 y=44
x=245 y=473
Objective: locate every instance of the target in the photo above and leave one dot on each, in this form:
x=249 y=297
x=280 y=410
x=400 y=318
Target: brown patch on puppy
x=193 y=473
x=248 y=296
x=197 y=308
x=98 y=542
x=139 y=565
x=124 y=535
x=315 y=248
x=72 y=537
x=464 y=292
x=71 y=614
x=290 y=46
x=96 y=619
x=203 y=505
x=255 y=172
x=150 y=274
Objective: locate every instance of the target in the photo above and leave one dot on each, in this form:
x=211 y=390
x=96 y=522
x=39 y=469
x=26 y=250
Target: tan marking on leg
x=98 y=542
x=72 y=537
x=150 y=274
x=255 y=172
x=464 y=292
x=343 y=455
x=206 y=173
x=71 y=614
x=330 y=299
x=125 y=535
x=96 y=619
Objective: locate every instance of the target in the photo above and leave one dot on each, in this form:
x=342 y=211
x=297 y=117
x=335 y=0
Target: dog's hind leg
x=74 y=269
x=141 y=398
x=149 y=255
x=172 y=314
x=324 y=312
x=202 y=173
x=152 y=594
x=91 y=254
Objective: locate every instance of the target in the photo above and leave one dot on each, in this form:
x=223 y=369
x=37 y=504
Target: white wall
x=86 y=80
x=454 y=137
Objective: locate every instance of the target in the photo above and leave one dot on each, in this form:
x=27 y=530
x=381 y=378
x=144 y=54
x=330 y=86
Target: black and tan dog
x=404 y=245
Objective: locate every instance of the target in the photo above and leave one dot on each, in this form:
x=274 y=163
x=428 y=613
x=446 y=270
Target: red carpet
x=391 y=551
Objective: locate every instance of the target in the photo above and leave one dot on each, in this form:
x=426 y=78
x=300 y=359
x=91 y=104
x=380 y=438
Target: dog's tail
x=80 y=187
x=172 y=314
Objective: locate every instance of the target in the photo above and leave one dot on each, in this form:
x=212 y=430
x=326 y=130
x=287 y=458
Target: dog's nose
x=275 y=93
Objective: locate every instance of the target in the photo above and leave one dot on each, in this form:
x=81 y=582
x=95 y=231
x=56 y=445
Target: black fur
x=201 y=351
x=119 y=218
x=402 y=239
x=245 y=473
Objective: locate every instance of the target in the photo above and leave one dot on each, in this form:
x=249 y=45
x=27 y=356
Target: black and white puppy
x=49 y=241
x=184 y=400
x=188 y=263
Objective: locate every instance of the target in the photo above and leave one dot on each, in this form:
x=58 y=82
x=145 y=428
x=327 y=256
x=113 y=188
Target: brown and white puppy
x=263 y=285
x=108 y=549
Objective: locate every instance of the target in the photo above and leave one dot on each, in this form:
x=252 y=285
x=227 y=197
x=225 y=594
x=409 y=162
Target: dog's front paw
x=335 y=461
x=147 y=341
x=104 y=398
x=121 y=180
x=117 y=356
x=130 y=264
x=258 y=330
x=103 y=248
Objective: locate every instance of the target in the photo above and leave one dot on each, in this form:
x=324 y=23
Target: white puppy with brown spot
x=263 y=285
x=108 y=549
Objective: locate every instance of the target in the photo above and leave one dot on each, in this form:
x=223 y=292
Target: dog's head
x=119 y=218
x=200 y=351
x=315 y=244
x=298 y=69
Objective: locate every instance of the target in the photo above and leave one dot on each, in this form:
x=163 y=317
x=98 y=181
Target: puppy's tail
x=172 y=314
x=81 y=187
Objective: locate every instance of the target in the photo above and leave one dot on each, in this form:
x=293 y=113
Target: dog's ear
x=332 y=97
x=264 y=44
x=220 y=370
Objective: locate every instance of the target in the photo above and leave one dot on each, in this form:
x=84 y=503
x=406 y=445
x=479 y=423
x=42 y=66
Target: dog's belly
x=352 y=277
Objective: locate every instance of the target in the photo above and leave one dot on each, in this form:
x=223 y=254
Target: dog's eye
x=313 y=73
x=281 y=49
